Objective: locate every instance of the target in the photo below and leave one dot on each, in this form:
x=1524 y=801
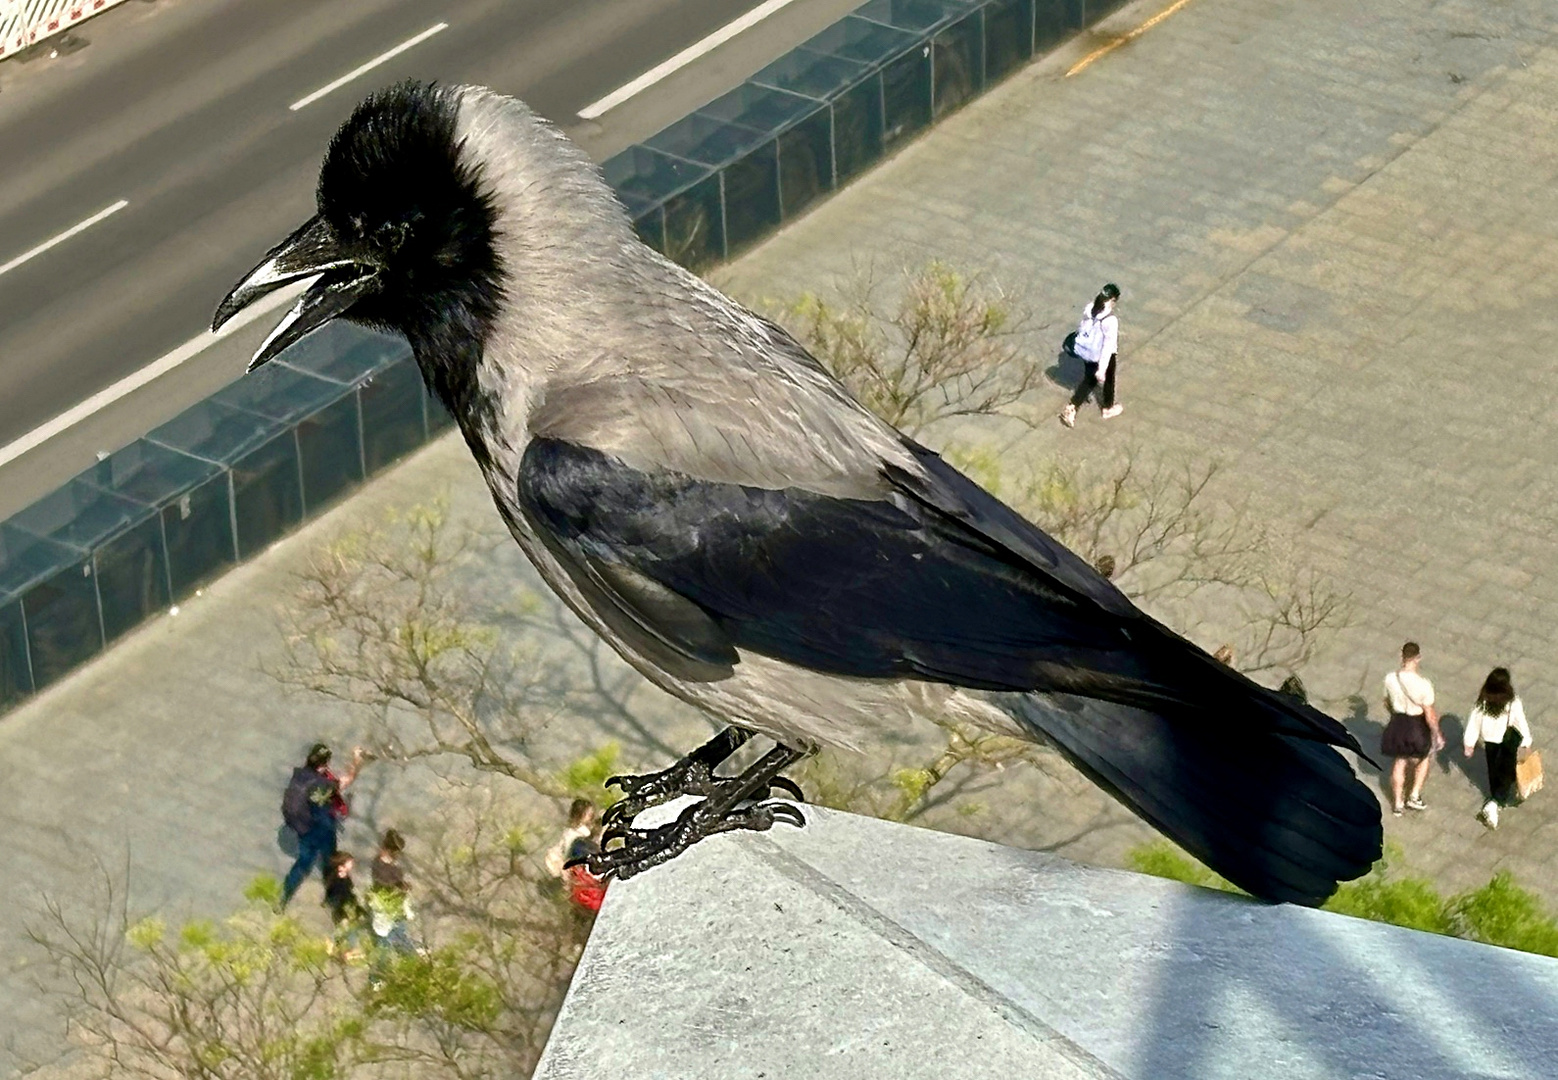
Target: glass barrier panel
x=216 y=432
x=1054 y=21
x=330 y=445
x=343 y=352
x=958 y=63
x=1093 y=10
x=282 y=393
x=80 y=514
x=707 y=140
x=15 y=674
x=761 y=108
x=695 y=226
x=863 y=41
x=267 y=493
x=806 y=162
x=63 y=628
x=751 y=197
x=1008 y=37
x=149 y=473
x=132 y=577
x=197 y=529
x=643 y=178
x=650 y=228
x=916 y=15
x=905 y=97
x=812 y=74
x=857 y=128
x=392 y=415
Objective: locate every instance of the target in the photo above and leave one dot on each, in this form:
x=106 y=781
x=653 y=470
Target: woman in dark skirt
x=1498 y=721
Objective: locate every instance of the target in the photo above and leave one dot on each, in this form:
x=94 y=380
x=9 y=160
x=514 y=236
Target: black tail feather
x=1281 y=816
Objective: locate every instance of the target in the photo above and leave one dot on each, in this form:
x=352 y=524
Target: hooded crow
x=711 y=502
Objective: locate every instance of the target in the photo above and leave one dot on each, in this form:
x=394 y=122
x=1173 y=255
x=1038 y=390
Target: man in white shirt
x=1097 y=344
x=1412 y=734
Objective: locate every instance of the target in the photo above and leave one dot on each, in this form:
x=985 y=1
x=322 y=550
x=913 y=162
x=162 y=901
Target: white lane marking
x=369 y=66
x=130 y=383
x=682 y=59
x=62 y=237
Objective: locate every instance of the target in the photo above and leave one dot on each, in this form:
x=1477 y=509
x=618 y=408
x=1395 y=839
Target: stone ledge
x=862 y=949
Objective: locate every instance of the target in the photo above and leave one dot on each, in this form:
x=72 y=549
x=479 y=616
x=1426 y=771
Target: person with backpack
x=1097 y=344
x=314 y=806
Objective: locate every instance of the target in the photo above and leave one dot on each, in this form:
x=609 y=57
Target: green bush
x=1498 y=913
x=1402 y=901
x=1502 y=913
x=1162 y=859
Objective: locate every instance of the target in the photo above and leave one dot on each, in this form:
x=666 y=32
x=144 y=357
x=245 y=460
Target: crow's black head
x=404 y=237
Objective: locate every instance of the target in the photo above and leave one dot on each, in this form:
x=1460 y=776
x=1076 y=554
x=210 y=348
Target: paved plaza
x=1336 y=226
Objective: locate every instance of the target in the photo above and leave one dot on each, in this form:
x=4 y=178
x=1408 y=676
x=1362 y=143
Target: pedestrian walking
x=389 y=903
x=582 y=817
x=585 y=890
x=1097 y=344
x=1412 y=734
x=340 y=890
x=1498 y=721
x=314 y=806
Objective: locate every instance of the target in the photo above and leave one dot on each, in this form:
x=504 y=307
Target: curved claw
x=787 y=813
x=784 y=783
x=620 y=811
x=615 y=832
x=619 y=781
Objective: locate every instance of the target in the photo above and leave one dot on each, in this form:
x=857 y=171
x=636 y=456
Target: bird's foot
x=693 y=775
x=728 y=803
x=641 y=849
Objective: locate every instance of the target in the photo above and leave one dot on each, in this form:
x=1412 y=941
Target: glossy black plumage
x=940 y=581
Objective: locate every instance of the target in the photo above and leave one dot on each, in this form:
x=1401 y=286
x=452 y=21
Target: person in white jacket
x=1498 y=721
x=1097 y=344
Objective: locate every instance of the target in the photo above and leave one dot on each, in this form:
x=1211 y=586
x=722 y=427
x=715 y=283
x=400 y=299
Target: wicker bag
x=1528 y=773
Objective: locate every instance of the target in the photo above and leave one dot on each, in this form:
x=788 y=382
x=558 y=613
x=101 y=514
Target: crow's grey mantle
x=860 y=949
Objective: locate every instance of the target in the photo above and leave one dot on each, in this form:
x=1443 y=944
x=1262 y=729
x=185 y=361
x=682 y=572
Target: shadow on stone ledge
x=862 y=949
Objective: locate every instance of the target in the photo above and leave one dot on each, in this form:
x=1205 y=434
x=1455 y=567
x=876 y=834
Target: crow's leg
x=693 y=775
x=721 y=811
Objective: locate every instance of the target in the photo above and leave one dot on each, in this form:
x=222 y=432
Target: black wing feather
x=941 y=581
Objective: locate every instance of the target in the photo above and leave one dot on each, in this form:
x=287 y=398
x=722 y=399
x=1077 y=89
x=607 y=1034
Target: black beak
x=310 y=250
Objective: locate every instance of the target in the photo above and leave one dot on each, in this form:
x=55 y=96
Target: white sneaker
x=1488 y=815
x=1112 y=411
x=1068 y=416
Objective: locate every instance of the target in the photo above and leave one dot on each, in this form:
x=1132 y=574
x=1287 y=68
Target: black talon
x=730 y=803
x=784 y=783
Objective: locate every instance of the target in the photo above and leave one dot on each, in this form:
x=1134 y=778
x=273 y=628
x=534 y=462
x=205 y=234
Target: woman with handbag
x=1096 y=343
x=1498 y=721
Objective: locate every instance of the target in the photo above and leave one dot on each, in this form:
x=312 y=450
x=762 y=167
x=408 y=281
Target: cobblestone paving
x=1336 y=224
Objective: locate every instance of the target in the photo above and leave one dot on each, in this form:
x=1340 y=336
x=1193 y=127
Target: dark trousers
x=1501 y=768
x=1090 y=381
x=314 y=846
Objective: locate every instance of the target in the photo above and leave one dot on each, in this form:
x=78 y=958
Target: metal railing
x=152 y=523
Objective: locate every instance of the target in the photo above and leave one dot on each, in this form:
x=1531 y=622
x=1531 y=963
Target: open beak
x=311 y=250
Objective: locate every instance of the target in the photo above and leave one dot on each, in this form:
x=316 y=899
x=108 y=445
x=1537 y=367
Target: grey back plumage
x=604 y=343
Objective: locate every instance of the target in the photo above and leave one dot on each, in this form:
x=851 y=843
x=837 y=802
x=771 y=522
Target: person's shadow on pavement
x=1476 y=773
x=1068 y=369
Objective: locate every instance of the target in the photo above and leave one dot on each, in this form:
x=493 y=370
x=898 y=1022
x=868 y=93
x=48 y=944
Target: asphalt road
x=181 y=110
